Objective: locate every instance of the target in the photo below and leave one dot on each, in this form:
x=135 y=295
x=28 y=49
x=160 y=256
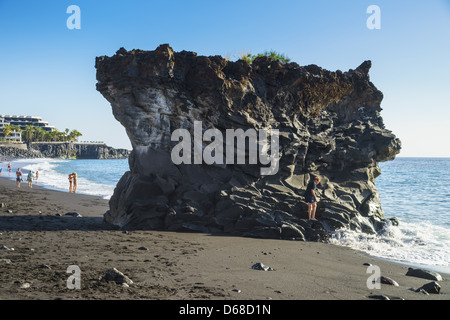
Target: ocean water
x=95 y=177
x=416 y=191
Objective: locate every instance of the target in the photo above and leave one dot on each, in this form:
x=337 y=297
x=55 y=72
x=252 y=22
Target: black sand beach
x=38 y=243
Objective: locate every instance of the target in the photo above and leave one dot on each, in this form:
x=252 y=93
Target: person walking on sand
x=30 y=178
x=19 y=177
x=74 y=182
x=311 y=198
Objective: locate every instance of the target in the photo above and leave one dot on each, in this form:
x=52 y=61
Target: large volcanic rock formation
x=329 y=125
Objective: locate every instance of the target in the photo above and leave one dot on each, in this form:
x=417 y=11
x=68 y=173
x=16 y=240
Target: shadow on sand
x=53 y=223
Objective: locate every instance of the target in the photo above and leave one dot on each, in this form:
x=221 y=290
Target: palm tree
x=74 y=134
x=58 y=135
x=7 y=130
x=28 y=133
x=39 y=134
x=52 y=135
x=47 y=136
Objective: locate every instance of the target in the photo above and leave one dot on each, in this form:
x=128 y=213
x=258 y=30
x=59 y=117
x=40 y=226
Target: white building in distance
x=14 y=136
x=24 y=121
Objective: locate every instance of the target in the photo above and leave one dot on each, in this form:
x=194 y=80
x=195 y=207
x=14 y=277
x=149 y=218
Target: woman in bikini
x=74 y=182
x=71 y=182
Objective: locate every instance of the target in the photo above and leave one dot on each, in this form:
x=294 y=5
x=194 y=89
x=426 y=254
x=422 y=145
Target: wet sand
x=39 y=242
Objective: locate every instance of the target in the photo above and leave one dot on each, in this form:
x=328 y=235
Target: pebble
x=73 y=214
x=389 y=281
x=22 y=285
x=384 y=297
x=260 y=266
x=379 y=297
x=5 y=261
x=25 y=285
x=117 y=276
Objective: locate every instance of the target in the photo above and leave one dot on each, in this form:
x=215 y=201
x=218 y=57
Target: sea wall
x=79 y=150
x=329 y=125
x=17 y=150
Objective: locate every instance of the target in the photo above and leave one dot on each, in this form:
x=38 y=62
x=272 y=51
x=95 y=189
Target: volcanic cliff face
x=62 y=150
x=329 y=125
x=78 y=150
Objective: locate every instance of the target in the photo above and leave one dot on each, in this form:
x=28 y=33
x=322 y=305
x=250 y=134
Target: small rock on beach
x=424 y=274
x=73 y=214
x=431 y=287
x=260 y=266
x=387 y=280
x=117 y=276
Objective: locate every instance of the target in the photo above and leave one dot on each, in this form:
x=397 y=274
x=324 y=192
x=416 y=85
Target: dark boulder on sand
x=424 y=274
x=430 y=288
x=328 y=123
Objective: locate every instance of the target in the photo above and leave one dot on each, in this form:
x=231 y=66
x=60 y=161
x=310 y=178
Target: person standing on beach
x=74 y=182
x=71 y=182
x=19 y=177
x=30 y=178
x=9 y=167
x=311 y=198
x=37 y=176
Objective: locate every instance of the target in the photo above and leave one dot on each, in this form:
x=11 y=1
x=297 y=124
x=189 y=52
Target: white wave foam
x=417 y=244
x=50 y=178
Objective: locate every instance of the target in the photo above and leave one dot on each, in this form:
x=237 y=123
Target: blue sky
x=48 y=70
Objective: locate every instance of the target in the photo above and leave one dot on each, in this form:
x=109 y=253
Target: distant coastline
x=62 y=150
x=421 y=157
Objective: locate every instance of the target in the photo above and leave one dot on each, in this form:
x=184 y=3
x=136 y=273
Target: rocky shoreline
x=329 y=126
x=62 y=150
